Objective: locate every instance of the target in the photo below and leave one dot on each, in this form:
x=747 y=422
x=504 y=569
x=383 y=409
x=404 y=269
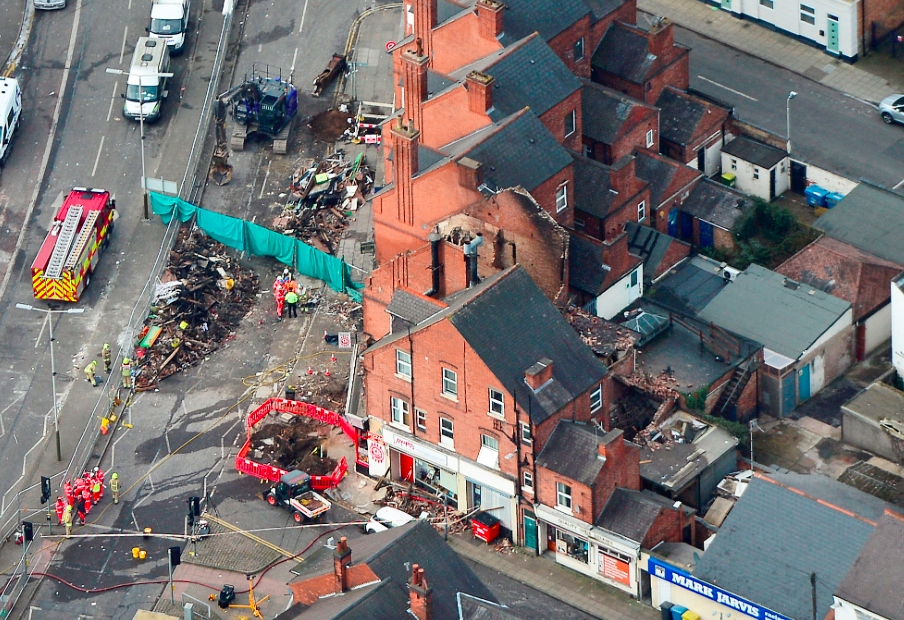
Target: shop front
x=432 y=471
x=598 y=553
x=674 y=589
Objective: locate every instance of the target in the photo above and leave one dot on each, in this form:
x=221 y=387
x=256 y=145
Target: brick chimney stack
x=404 y=167
x=489 y=17
x=470 y=173
x=421 y=594
x=424 y=23
x=662 y=37
x=623 y=175
x=480 y=92
x=539 y=373
x=414 y=67
x=342 y=557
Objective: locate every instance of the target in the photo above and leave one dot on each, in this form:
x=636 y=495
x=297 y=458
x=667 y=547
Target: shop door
x=832 y=32
x=530 y=533
x=550 y=538
x=803 y=383
x=406 y=467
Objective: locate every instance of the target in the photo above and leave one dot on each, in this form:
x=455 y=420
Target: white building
x=897 y=324
x=760 y=170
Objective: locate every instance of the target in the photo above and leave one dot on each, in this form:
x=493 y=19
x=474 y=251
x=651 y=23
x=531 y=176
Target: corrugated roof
x=573 y=451
x=874 y=581
x=757 y=153
x=869 y=218
x=775 y=311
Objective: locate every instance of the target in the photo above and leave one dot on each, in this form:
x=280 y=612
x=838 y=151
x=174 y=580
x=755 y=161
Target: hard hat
x=125 y=361
x=115 y=476
x=106 y=346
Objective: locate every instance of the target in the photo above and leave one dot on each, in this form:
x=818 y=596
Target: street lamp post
x=144 y=182
x=56 y=413
x=791 y=96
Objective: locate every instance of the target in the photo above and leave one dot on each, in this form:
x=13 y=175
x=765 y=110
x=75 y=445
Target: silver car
x=892 y=109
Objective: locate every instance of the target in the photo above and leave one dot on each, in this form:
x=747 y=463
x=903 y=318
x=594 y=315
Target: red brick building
x=692 y=130
x=615 y=124
x=670 y=185
x=641 y=63
x=468 y=392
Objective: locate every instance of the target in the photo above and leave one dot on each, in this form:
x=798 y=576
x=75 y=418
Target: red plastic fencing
x=268 y=472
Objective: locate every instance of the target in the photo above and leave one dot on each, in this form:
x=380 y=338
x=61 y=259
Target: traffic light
x=45 y=489
x=194 y=505
x=28 y=531
x=175 y=554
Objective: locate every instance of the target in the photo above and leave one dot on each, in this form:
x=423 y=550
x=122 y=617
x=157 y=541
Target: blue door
x=706 y=234
x=530 y=532
x=788 y=394
x=673 y=223
x=687 y=226
x=803 y=383
x=832 y=38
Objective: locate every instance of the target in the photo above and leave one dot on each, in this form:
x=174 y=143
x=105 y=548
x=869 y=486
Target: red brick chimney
x=424 y=23
x=480 y=92
x=622 y=175
x=421 y=594
x=342 y=557
x=539 y=373
x=470 y=173
x=414 y=67
x=489 y=16
x=404 y=167
x=662 y=38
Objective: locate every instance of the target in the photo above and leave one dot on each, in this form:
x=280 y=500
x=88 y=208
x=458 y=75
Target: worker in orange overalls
x=86 y=497
x=99 y=477
x=60 y=507
x=67 y=490
x=279 y=291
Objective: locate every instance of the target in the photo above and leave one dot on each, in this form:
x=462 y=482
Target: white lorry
x=10 y=113
x=169 y=21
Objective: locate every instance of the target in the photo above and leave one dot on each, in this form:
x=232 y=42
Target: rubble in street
x=198 y=304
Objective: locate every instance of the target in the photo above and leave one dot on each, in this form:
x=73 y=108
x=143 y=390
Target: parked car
x=892 y=109
x=388 y=517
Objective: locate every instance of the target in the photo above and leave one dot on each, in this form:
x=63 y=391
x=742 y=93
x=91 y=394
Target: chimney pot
x=342 y=557
x=489 y=18
x=420 y=594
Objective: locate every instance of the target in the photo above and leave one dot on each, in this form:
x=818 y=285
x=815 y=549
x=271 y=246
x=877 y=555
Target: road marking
x=731 y=90
x=32 y=608
x=41 y=333
x=97 y=159
x=303 y=13
x=125 y=35
x=294 y=56
x=266 y=176
x=112 y=101
x=113 y=451
x=899 y=184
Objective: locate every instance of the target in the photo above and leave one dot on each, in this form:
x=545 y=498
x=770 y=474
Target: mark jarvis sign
x=683 y=580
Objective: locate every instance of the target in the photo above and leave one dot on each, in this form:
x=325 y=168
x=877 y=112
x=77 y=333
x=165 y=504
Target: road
x=828 y=129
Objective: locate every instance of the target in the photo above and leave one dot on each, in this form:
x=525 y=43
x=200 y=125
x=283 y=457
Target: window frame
x=769 y=4
x=420 y=419
x=405 y=410
x=596 y=395
x=527 y=481
x=400 y=362
x=756 y=173
x=641 y=210
x=579 y=44
x=500 y=401
x=571 y=127
x=483 y=443
x=563 y=198
x=807 y=14
x=527 y=437
x=564 y=491
x=446 y=436
x=453 y=394
x=650 y=138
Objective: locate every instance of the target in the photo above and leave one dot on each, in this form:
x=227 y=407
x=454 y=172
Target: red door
x=406 y=467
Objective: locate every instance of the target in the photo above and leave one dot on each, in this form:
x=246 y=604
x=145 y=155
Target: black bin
x=666 y=610
x=290 y=393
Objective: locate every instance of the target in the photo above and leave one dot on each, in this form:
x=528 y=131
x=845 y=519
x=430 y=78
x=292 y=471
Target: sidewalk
x=543 y=574
x=782 y=50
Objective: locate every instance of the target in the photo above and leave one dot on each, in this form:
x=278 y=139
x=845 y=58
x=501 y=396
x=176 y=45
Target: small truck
x=295 y=493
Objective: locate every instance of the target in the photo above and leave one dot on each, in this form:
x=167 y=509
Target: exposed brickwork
x=554 y=120
x=747 y=404
x=676 y=252
x=563 y=45
x=668 y=527
x=886 y=14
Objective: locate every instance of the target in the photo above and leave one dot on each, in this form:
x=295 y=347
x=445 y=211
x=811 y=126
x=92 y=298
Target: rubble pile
x=202 y=296
x=602 y=336
x=293 y=446
x=661 y=387
x=432 y=510
x=323 y=196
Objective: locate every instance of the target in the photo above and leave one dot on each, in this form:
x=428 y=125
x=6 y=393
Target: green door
x=530 y=532
x=726 y=4
x=832 y=39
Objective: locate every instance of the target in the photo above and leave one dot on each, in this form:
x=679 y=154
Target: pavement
x=871 y=79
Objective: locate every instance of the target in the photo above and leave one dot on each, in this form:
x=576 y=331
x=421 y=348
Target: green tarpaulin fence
x=249 y=237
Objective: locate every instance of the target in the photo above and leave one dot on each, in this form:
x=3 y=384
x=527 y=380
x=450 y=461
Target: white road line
x=32 y=608
x=112 y=101
x=113 y=451
x=97 y=159
x=41 y=333
x=899 y=184
x=303 y=13
x=731 y=90
x=169 y=450
x=125 y=36
x=294 y=56
x=264 y=184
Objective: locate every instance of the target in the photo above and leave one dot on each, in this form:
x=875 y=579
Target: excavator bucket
x=220 y=169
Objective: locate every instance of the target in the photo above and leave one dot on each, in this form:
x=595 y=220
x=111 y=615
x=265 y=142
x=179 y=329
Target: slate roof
x=757 y=153
x=586 y=267
x=692 y=285
x=447 y=10
x=518 y=151
x=632 y=513
x=874 y=581
x=651 y=246
x=478 y=609
x=838 y=494
x=526 y=74
x=600 y=9
x=591 y=186
x=774 y=538
x=715 y=203
x=661 y=173
x=869 y=218
x=605 y=111
x=625 y=52
x=411 y=307
x=511 y=325
x=522 y=17
x=679 y=115
x=436 y=82
x=773 y=310
x=573 y=451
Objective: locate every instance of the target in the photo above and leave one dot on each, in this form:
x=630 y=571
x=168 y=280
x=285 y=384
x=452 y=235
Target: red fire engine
x=73 y=246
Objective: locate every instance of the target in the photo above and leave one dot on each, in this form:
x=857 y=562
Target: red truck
x=272 y=473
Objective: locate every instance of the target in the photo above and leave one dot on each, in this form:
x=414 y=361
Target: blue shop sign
x=683 y=580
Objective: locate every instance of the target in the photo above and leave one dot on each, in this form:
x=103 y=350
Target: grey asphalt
x=829 y=129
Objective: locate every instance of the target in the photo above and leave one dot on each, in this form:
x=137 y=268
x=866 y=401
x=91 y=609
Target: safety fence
x=246 y=236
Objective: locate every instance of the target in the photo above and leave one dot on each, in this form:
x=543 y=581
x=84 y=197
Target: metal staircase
x=64 y=242
x=732 y=391
x=83 y=237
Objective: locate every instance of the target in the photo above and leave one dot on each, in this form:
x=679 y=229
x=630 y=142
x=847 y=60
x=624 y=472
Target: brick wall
x=676 y=251
x=667 y=527
x=563 y=45
x=747 y=403
x=632 y=89
x=723 y=239
x=554 y=120
x=581 y=495
x=676 y=73
x=626 y=13
x=641 y=121
x=887 y=14
x=448 y=118
x=545 y=195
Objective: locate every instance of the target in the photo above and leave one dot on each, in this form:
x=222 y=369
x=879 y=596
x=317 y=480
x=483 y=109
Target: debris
x=293 y=446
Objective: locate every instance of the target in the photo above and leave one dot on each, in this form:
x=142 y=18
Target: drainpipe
x=434 y=239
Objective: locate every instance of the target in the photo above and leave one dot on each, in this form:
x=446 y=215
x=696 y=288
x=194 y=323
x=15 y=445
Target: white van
x=387 y=517
x=10 y=113
x=169 y=21
x=145 y=91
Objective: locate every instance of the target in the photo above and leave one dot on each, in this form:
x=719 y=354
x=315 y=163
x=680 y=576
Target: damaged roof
x=573 y=451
